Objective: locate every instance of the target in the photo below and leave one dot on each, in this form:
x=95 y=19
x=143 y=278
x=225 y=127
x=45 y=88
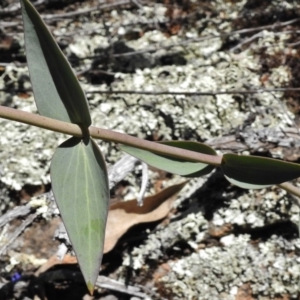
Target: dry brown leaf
x=6 y=43
x=123 y=215
x=53 y=261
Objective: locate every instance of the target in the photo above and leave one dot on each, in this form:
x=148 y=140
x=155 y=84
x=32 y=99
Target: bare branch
x=19 y=211
x=291 y=189
x=111 y=284
x=253 y=90
x=208 y=93
x=100 y=7
x=18 y=231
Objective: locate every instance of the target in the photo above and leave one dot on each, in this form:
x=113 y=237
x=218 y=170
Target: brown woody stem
x=106 y=135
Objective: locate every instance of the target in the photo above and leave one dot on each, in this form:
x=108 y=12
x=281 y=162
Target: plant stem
x=112 y=136
x=106 y=135
x=290 y=188
x=116 y=137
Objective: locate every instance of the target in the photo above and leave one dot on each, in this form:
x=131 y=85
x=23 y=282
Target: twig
x=120 y=169
x=136 y=2
x=250 y=39
x=4 y=24
x=260 y=34
x=273 y=26
x=18 y=232
x=16 y=212
x=86 y=11
x=265 y=138
x=145 y=178
x=291 y=189
x=208 y=93
x=293 y=44
x=111 y=284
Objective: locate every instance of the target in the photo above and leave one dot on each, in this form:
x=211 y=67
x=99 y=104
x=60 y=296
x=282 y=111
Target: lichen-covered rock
x=218 y=46
x=272 y=268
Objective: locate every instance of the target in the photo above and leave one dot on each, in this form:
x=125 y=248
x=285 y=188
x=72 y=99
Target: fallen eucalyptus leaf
x=174 y=165
x=123 y=215
x=53 y=261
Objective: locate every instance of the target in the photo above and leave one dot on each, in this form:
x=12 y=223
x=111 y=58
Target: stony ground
x=220 y=72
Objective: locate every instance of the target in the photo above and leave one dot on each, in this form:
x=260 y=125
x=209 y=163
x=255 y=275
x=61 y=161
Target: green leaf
x=57 y=92
x=252 y=172
x=174 y=165
x=80 y=186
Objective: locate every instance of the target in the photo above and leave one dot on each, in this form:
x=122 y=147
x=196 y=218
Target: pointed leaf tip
x=57 y=92
x=173 y=165
x=80 y=186
x=91 y=288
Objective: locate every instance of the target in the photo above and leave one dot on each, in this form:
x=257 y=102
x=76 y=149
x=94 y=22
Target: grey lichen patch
x=85 y=45
x=26 y=155
x=172 y=116
x=206 y=116
x=25 y=150
x=280 y=76
x=193 y=225
x=257 y=208
x=272 y=268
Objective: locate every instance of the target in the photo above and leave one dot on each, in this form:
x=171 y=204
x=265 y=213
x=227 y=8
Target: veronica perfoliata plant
x=78 y=172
